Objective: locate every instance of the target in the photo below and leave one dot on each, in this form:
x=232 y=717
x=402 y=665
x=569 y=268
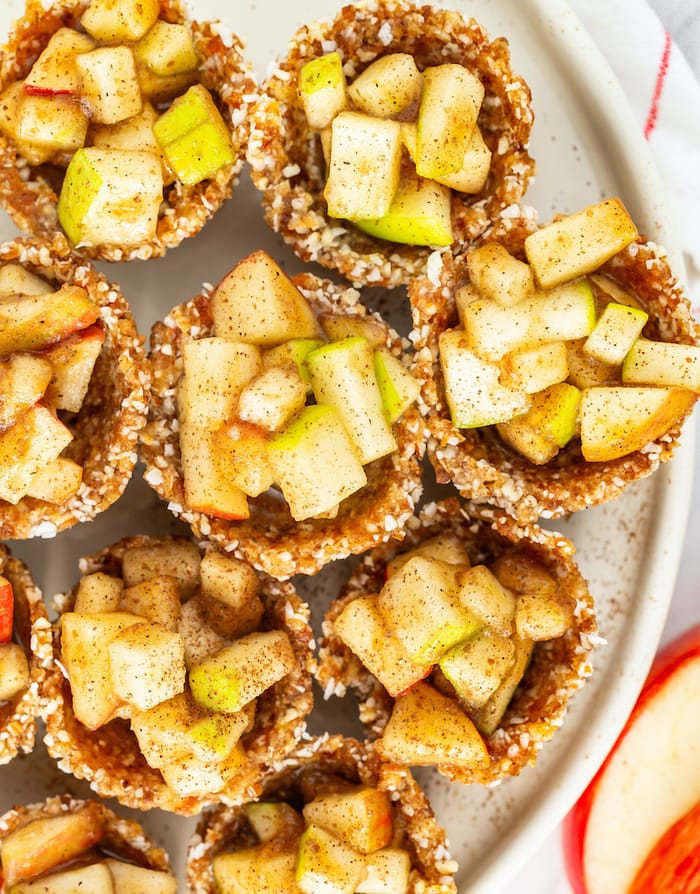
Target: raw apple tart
x=183 y=675
x=121 y=124
x=74 y=388
x=464 y=644
x=335 y=817
x=559 y=362
x=391 y=130
x=283 y=423
x=65 y=845
x=25 y=655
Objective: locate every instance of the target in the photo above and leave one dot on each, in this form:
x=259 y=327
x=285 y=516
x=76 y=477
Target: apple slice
x=188 y=776
x=294 y=352
x=216 y=370
x=487 y=717
x=73 y=361
x=234 y=583
x=11 y=100
x=36 y=439
x=54 y=72
x=587 y=372
x=23 y=380
x=34 y=322
x=484 y=597
x=272 y=819
x=519 y=571
x=57 y=482
x=496 y=274
x=343 y=325
x=390 y=87
x=541 y=616
x=57 y=124
x=135 y=133
x=673 y=865
x=208 y=487
x=130 y=879
x=14 y=670
x=493 y=329
x=98 y=592
x=7 y=610
x=322 y=89
x=268 y=867
x=109 y=21
x=564 y=313
x=95 y=878
x=533 y=369
x=200 y=640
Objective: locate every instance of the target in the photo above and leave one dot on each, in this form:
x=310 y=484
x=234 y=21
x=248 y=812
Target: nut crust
x=285 y=155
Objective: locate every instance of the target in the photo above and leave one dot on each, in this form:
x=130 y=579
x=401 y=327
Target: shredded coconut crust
x=114 y=410
x=431 y=866
x=285 y=155
x=18 y=716
x=30 y=194
x=477 y=461
x=110 y=758
x=558 y=667
x=270 y=539
x=122 y=838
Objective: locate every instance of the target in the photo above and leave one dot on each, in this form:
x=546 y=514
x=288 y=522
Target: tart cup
x=114 y=409
x=121 y=839
x=220 y=828
x=286 y=159
x=110 y=758
x=32 y=630
x=30 y=194
x=270 y=539
x=557 y=668
x=477 y=461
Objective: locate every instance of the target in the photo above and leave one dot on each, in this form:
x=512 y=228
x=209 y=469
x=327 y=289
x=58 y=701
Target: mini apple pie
x=283 y=423
x=559 y=363
x=121 y=124
x=25 y=653
x=464 y=644
x=185 y=675
x=66 y=845
x=74 y=389
x=335 y=817
x=387 y=132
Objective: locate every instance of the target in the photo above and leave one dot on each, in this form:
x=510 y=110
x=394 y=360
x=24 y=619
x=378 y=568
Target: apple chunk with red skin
x=7 y=610
x=648 y=782
x=33 y=322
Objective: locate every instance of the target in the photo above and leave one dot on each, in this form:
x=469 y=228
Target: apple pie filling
x=117 y=124
x=187 y=668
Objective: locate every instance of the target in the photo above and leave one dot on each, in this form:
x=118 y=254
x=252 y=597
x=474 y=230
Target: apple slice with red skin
x=7 y=610
x=649 y=784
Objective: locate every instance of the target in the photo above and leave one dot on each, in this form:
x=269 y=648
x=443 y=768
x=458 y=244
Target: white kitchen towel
x=665 y=96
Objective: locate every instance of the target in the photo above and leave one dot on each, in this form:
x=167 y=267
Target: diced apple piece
x=327 y=864
x=26 y=447
x=342 y=325
x=35 y=848
x=268 y=867
x=242 y=455
x=216 y=370
x=167 y=49
x=17 y=280
x=130 y=879
x=390 y=87
x=193 y=136
x=615 y=332
x=23 y=380
x=73 y=361
x=14 y=670
x=360 y=817
x=362 y=628
x=579 y=243
x=242 y=671
x=114 y=21
x=563 y=313
x=33 y=322
x=7 y=610
x=221 y=618
x=272 y=819
x=386 y=872
x=189 y=777
x=109 y=83
x=133 y=134
x=147 y=664
x=55 y=123
x=214 y=737
x=488 y=716
x=618 y=421
x=54 y=71
x=271 y=398
x=364 y=169
x=95 y=878
x=662 y=363
x=294 y=352
x=178 y=558
x=397 y=386
x=585 y=371
x=208 y=488
x=156 y=599
x=111 y=197
x=541 y=616
x=342 y=376
x=549 y=424
x=476 y=668
x=57 y=482
x=498 y=275
x=98 y=592
x=234 y=583
x=448 y=112
x=476 y=164
x=322 y=89
x=11 y=100
x=315 y=462
x=161 y=89
x=420 y=605
x=533 y=369
x=446 y=547
x=258 y=303
x=161 y=730
x=482 y=594
x=612 y=290
x=522 y=573
x=200 y=640
x=474 y=393
x=427 y=728
x=493 y=330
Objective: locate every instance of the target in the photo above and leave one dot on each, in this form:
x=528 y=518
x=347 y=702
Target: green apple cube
x=109 y=84
x=549 y=424
x=111 y=197
x=131 y=879
x=662 y=363
x=294 y=353
x=615 y=332
x=564 y=313
x=534 y=369
x=446 y=547
x=397 y=386
x=260 y=869
x=113 y=21
x=420 y=605
x=448 y=112
x=315 y=462
x=322 y=89
x=484 y=597
x=496 y=274
x=579 y=243
x=473 y=391
x=359 y=817
x=238 y=673
x=420 y=214
x=343 y=377
x=325 y=864
x=215 y=372
x=476 y=668
x=193 y=136
x=365 y=165
x=167 y=49
x=390 y=87
x=494 y=329
x=489 y=715
x=213 y=737
x=272 y=819
x=56 y=123
x=386 y=872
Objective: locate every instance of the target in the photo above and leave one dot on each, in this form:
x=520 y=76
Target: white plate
x=587 y=145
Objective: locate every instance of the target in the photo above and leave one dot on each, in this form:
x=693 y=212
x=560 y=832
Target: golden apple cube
x=498 y=275
x=114 y=21
x=541 y=616
x=618 y=421
x=364 y=170
x=161 y=730
x=243 y=458
x=293 y=353
x=73 y=361
x=57 y=482
x=94 y=877
x=188 y=776
x=234 y=583
x=156 y=599
x=133 y=134
x=214 y=737
x=178 y=558
x=200 y=640
x=271 y=398
x=56 y=123
x=216 y=370
x=563 y=313
x=111 y=197
x=427 y=728
x=98 y=592
x=35 y=322
x=161 y=89
x=167 y=49
x=489 y=715
x=315 y=462
x=36 y=439
x=11 y=100
x=54 y=71
x=579 y=243
x=208 y=487
x=617 y=329
x=662 y=363
x=476 y=668
x=242 y=671
x=397 y=386
x=263 y=868
x=109 y=83
x=447 y=547
x=23 y=380
x=130 y=879
x=344 y=325
x=536 y=368
x=519 y=571
x=476 y=164
x=322 y=89
x=360 y=817
x=390 y=87
x=325 y=863
x=493 y=329
x=386 y=872
x=14 y=670
x=17 y=280
x=448 y=113
x=147 y=664
x=550 y=423
x=585 y=371
x=485 y=597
